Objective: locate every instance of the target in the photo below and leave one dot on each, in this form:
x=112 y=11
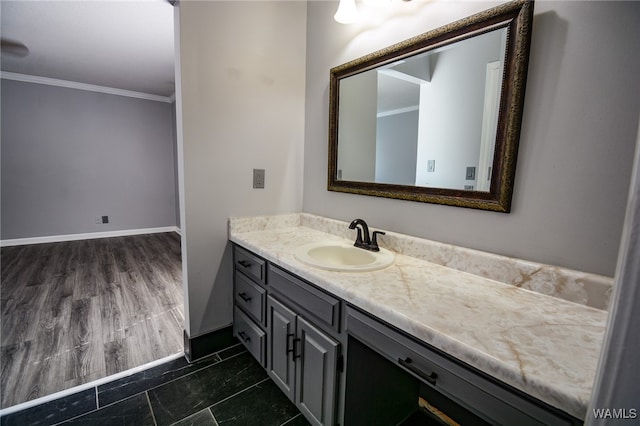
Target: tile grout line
x=180 y=377
x=215 y=421
x=198 y=370
x=238 y=393
x=93 y=411
x=86 y=386
x=185 y=375
x=291 y=419
x=153 y=415
x=216 y=354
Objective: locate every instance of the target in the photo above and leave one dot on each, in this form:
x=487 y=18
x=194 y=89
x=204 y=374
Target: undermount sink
x=338 y=256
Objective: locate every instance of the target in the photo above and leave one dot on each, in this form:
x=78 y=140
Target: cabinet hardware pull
x=244 y=296
x=407 y=363
x=290 y=349
x=245 y=263
x=244 y=336
x=293 y=345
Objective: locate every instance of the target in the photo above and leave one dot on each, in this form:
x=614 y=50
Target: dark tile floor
x=226 y=388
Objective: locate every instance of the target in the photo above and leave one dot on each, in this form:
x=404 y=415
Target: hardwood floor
x=77 y=311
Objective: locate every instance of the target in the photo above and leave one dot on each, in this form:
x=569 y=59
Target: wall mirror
x=435 y=118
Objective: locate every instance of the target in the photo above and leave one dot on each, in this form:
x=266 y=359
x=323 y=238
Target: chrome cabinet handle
x=245 y=263
x=407 y=363
x=244 y=336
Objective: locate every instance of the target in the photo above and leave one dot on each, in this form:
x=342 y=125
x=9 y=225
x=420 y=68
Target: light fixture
x=347 y=12
x=377 y=3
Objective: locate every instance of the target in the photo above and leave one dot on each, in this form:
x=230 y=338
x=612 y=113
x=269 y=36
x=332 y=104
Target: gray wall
x=357 y=147
x=240 y=107
x=578 y=135
x=69 y=156
x=176 y=180
x=397 y=148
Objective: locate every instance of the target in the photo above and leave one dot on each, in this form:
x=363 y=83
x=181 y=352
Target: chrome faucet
x=363 y=240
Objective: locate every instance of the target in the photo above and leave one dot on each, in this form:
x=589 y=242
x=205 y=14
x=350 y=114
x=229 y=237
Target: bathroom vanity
x=355 y=348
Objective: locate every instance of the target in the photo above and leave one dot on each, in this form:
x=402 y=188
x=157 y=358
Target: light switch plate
x=471 y=173
x=431 y=166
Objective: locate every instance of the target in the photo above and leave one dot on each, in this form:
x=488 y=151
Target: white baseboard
x=87 y=236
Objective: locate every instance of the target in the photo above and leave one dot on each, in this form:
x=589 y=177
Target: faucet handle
x=374 y=240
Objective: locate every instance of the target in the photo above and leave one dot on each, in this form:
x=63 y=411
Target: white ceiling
x=118 y=44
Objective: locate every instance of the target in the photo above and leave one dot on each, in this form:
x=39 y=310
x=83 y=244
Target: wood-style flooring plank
x=76 y=311
x=85 y=339
x=113 y=319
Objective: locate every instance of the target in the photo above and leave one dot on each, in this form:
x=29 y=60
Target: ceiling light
x=347 y=12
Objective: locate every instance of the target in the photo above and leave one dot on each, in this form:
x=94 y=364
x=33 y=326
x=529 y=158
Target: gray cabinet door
x=316 y=374
x=280 y=346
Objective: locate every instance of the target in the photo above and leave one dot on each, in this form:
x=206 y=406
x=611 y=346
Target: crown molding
x=83 y=86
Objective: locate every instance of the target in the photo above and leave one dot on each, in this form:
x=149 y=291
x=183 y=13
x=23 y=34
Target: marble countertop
x=545 y=346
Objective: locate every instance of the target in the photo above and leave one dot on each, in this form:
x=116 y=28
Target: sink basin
x=338 y=256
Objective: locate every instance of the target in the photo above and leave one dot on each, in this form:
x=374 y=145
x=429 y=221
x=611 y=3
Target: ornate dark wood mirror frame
x=517 y=17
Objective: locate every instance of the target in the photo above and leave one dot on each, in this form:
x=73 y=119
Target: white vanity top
x=545 y=346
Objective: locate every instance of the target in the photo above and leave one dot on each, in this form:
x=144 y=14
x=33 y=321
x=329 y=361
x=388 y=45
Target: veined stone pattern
x=545 y=346
x=575 y=286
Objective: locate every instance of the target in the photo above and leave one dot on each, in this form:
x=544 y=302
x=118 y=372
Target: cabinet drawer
x=496 y=403
x=320 y=305
x=249 y=264
x=250 y=335
x=251 y=297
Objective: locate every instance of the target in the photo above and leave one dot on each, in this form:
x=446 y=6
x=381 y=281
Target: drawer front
x=251 y=297
x=250 y=264
x=486 y=398
x=251 y=336
x=322 y=306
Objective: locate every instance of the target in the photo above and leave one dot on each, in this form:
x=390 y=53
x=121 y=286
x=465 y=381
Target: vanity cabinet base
x=343 y=366
x=302 y=362
x=469 y=391
x=375 y=393
x=290 y=327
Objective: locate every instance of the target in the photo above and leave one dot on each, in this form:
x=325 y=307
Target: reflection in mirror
x=434 y=119
x=411 y=111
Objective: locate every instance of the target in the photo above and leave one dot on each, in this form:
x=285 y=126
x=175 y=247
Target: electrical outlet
x=431 y=166
x=258 y=178
x=99 y=220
